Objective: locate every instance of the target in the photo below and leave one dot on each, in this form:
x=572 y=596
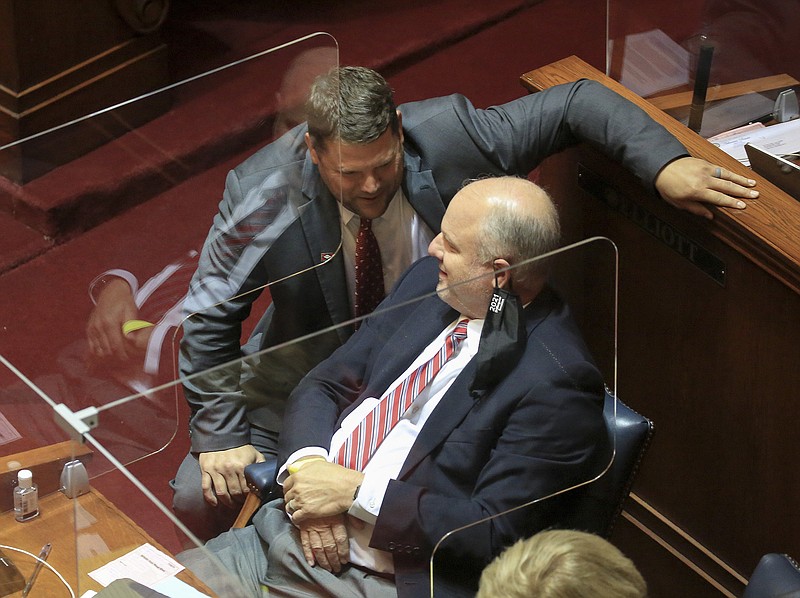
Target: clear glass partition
x=585 y=268
x=114 y=405
x=589 y=267
x=714 y=65
x=86 y=387
x=567 y=498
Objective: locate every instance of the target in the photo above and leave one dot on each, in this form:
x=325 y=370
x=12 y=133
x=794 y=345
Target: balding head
x=492 y=224
x=520 y=223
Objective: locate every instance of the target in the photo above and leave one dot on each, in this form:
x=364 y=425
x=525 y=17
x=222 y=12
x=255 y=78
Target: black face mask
x=502 y=341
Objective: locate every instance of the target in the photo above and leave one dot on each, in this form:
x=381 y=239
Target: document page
x=780 y=139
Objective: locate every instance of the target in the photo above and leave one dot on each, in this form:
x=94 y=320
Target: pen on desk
x=43 y=554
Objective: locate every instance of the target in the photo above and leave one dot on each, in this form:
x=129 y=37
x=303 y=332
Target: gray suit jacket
x=253 y=243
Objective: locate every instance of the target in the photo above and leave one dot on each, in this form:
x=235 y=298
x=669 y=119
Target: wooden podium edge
x=767 y=232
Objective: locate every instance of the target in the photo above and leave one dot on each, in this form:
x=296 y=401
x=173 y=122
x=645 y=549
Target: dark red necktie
x=369 y=271
x=365 y=439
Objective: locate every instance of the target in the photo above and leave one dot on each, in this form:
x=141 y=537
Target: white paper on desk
x=780 y=139
x=653 y=62
x=171 y=586
x=737 y=131
x=721 y=115
x=145 y=564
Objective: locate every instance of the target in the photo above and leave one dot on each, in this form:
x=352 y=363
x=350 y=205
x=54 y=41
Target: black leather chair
x=599 y=504
x=775 y=576
x=631 y=434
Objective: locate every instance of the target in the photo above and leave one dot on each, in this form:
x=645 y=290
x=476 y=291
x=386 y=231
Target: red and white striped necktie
x=365 y=439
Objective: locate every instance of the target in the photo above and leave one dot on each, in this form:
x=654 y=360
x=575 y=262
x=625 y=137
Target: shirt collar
x=352 y=220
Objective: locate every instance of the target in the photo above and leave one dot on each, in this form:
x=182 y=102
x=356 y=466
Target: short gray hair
x=351 y=103
x=518 y=236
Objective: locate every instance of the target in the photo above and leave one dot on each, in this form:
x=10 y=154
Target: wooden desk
x=106 y=534
x=709 y=322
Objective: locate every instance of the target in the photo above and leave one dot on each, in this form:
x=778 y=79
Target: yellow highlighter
x=300 y=463
x=134 y=325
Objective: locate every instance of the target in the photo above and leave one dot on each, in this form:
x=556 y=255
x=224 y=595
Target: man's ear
x=311 y=149
x=501 y=273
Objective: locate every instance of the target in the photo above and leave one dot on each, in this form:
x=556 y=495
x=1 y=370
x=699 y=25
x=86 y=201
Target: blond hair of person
x=562 y=564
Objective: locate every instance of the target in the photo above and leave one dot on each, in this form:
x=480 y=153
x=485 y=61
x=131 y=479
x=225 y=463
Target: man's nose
x=435 y=247
x=370 y=183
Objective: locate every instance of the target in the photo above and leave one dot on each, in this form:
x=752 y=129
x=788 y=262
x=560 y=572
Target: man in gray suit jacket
x=288 y=220
x=455 y=456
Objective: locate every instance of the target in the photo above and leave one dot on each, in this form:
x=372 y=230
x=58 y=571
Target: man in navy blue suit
x=474 y=442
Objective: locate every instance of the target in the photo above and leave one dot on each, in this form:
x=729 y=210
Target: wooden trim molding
x=684 y=547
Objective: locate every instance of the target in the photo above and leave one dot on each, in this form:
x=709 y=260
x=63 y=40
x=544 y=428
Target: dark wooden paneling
x=713 y=363
x=61 y=61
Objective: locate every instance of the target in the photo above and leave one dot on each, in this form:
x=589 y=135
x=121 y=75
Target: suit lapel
x=422 y=193
x=319 y=219
x=406 y=344
x=457 y=402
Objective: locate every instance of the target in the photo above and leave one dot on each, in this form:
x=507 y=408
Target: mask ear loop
x=497 y=282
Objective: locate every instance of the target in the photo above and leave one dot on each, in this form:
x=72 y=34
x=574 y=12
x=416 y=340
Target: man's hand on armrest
x=223 y=474
x=689 y=183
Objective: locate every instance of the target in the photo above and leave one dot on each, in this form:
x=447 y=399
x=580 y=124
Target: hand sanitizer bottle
x=26 y=497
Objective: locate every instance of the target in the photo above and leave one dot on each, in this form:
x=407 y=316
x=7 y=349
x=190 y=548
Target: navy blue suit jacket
x=539 y=431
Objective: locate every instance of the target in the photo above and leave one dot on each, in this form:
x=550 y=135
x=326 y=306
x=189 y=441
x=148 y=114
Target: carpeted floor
x=150 y=196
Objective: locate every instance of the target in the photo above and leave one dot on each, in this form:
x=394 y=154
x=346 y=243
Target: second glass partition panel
x=549 y=463
x=452 y=403
x=714 y=65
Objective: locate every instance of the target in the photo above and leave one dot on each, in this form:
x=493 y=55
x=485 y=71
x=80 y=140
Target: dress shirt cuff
x=97 y=285
x=309 y=451
x=368 y=503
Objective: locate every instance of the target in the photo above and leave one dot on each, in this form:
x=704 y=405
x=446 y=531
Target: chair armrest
x=260 y=477
x=775 y=575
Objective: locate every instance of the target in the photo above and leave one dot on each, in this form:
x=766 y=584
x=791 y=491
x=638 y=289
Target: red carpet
x=198 y=130
x=165 y=179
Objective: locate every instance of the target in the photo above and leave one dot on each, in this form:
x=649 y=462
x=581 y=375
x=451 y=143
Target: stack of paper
x=781 y=139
